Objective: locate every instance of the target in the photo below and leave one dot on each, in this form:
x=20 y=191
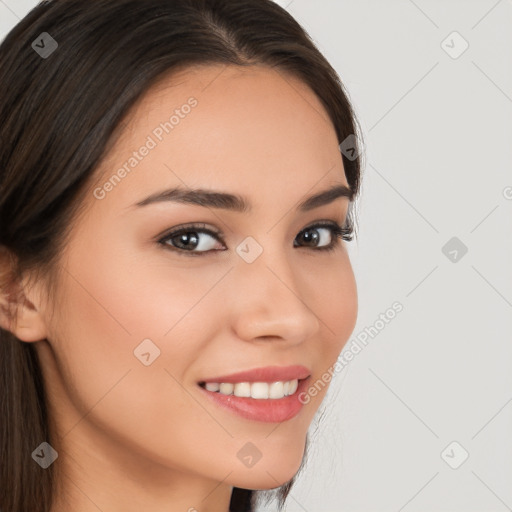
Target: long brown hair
x=60 y=113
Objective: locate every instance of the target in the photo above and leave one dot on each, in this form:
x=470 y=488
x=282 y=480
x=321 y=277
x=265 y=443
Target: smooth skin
x=136 y=437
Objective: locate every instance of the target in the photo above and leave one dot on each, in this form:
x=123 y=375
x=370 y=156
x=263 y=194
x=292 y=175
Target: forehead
x=225 y=127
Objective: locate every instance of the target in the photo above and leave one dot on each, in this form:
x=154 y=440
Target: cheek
x=344 y=307
x=146 y=407
x=336 y=305
x=126 y=316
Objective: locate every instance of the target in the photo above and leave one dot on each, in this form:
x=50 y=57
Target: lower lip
x=272 y=410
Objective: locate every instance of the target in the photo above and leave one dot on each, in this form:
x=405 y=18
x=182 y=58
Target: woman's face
x=142 y=321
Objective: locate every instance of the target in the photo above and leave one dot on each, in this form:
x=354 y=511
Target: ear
x=19 y=305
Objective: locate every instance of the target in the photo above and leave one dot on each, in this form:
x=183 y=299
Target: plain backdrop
x=420 y=419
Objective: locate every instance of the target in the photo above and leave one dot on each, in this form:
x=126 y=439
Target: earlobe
x=18 y=314
x=29 y=325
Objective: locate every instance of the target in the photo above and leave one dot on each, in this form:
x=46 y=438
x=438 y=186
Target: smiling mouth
x=257 y=390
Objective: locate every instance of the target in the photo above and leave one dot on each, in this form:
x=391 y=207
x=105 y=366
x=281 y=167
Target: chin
x=260 y=482
x=274 y=473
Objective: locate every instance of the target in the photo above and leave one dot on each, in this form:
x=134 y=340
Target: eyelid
x=346 y=224
x=198 y=226
x=342 y=230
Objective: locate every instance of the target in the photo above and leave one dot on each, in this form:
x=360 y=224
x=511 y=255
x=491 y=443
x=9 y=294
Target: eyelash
x=344 y=233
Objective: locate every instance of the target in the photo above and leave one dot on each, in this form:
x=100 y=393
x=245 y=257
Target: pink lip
x=266 y=374
x=270 y=410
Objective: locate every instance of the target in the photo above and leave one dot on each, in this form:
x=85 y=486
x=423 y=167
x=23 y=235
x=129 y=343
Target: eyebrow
x=237 y=203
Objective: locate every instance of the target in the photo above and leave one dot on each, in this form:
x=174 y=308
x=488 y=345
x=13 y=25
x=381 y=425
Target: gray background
x=438 y=165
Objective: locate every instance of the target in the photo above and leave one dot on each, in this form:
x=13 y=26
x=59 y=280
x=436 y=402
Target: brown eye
x=193 y=240
x=313 y=236
x=197 y=240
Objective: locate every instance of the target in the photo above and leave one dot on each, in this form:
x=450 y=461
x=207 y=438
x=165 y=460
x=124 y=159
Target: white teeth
x=242 y=389
x=276 y=390
x=226 y=388
x=257 y=390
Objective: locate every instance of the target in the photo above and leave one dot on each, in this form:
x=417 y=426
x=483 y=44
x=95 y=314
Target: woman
x=174 y=207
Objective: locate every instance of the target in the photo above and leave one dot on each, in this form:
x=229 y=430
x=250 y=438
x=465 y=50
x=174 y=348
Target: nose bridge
x=268 y=300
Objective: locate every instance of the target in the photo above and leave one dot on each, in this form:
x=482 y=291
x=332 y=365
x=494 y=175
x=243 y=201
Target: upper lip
x=264 y=374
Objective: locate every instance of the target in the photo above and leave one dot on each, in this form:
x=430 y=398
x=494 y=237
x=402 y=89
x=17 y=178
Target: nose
x=269 y=302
